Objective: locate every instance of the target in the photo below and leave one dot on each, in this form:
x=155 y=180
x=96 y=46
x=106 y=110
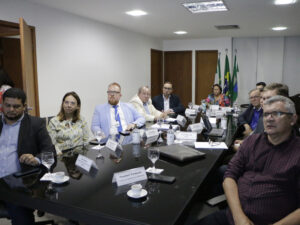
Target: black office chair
x=47 y=119
x=244 y=106
x=4 y=214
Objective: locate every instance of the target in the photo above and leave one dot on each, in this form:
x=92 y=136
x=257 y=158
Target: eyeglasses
x=113 y=92
x=71 y=103
x=16 y=106
x=276 y=114
x=254 y=97
x=167 y=88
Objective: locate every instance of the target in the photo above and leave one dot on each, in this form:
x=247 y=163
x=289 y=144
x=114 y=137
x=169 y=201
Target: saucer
x=60 y=181
x=141 y=195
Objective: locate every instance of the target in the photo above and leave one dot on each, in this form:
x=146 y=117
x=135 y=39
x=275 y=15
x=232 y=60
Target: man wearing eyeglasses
x=250 y=117
x=115 y=114
x=168 y=102
x=262 y=182
x=22 y=139
x=143 y=104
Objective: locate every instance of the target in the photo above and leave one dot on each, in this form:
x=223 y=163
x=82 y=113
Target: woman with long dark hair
x=217 y=98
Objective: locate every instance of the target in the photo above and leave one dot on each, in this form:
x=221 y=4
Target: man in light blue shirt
x=115 y=114
x=22 y=139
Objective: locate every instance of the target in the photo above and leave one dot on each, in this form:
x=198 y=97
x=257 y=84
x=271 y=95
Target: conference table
x=92 y=198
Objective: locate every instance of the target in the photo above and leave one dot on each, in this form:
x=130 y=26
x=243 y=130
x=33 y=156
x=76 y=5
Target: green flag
x=218 y=78
x=227 y=84
x=234 y=81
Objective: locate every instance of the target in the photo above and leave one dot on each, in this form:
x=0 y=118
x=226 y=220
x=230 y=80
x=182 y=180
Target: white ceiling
x=255 y=17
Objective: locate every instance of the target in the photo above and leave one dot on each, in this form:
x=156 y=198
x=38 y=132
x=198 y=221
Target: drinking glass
x=153 y=155
x=98 y=135
x=47 y=161
x=159 y=122
x=190 y=105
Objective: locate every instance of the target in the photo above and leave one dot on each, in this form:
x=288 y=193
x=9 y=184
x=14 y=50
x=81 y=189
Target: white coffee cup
x=59 y=176
x=136 y=189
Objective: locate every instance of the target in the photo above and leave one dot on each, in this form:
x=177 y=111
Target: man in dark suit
x=250 y=117
x=167 y=102
x=22 y=139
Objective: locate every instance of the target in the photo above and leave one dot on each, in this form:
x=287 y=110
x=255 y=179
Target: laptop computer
x=180 y=153
x=214 y=132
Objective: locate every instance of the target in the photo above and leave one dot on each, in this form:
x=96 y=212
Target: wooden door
x=11 y=59
x=178 y=70
x=28 y=59
x=206 y=65
x=156 y=72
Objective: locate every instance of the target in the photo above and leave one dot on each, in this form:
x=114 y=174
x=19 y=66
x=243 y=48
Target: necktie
x=146 y=108
x=117 y=118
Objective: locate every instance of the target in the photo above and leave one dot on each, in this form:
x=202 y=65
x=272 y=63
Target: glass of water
x=153 y=155
x=48 y=161
x=99 y=135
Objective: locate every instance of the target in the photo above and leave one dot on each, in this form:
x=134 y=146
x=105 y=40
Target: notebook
x=180 y=153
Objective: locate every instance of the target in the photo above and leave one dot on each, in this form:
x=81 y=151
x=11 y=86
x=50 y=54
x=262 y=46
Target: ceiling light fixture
x=284 y=2
x=279 y=28
x=208 y=6
x=180 y=32
x=136 y=12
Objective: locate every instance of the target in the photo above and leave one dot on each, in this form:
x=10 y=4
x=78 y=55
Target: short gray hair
x=141 y=88
x=255 y=89
x=288 y=103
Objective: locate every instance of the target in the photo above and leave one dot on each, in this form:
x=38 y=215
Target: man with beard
x=22 y=139
x=115 y=113
x=262 y=182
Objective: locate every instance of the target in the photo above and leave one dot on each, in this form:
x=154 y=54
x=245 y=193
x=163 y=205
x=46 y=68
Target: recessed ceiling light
x=284 y=2
x=208 y=6
x=279 y=28
x=136 y=12
x=180 y=32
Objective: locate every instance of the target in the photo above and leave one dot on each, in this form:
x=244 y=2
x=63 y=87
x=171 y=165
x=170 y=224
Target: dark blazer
x=246 y=116
x=33 y=136
x=175 y=104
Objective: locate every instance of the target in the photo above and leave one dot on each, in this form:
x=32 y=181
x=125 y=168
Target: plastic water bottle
x=170 y=136
x=203 y=106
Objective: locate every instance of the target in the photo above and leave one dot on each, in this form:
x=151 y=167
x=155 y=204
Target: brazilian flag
x=227 y=84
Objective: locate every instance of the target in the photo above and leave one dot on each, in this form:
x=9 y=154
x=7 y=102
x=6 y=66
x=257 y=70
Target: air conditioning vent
x=227 y=27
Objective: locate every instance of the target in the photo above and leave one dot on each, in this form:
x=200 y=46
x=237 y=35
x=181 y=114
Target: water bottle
x=170 y=136
x=136 y=136
x=203 y=106
x=113 y=132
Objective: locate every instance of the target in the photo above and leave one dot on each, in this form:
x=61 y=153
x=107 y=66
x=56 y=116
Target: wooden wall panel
x=156 y=72
x=206 y=65
x=178 y=70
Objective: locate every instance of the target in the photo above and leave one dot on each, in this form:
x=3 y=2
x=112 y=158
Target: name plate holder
x=181 y=120
x=129 y=176
x=113 y=145
x=151 y=133
x=214 y=107
x=186 y=135
x=190 y=112
x=196 y=127
x=85 y=163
